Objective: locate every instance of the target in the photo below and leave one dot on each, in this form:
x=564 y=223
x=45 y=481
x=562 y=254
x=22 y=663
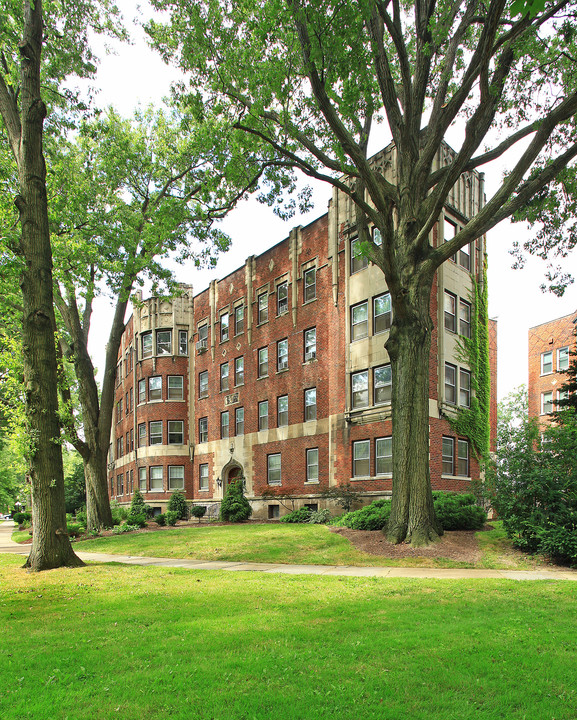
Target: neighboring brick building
x=550 y=345
x=278 y=373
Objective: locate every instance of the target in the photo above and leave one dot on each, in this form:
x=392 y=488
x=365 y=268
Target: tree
x=49 y=48
x=125 y=196
x=311 y=80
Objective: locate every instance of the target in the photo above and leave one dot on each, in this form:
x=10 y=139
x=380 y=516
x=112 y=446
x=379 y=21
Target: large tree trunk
x=98 y=510
x=412 y=513
x=51 y=546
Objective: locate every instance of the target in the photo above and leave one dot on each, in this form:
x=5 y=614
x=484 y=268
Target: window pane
x=142 y=479
x=465 y=257
x=282 y=408
x=239 y=319
x=310 y=284
x=464 y=318
x=546 y=403
x=448 y=455
x=282 y=298
x=203 y=430
x=282 y=354
x=384 y=455
x=263 y=308
x=156 y=478
x=311 y=404
x=183 y=342
x=202 y=343
x=203 y=476
x=147 y=345
x=175 y=387
x=274 y=469
x=547 y=362
x=563 y=359
x=263 y=362
x=463 y=458
x=358 y=261
x=382 y=313
x=142 y=435
x=224 y=376
x=175 y=432
x=163 y=342
x=155 y=432
x=176 y=477
x=310 y=344
x=360 y=321
x=155 y=388
x=203 y=384
x=360 y=389
x=382 y=384
x=361 y=458
x=239 y=371
x=224 y=424
x=313 y=465
x=263 y=415
x=450 y=312
x=224 y=319
x=464 y=388
x=239 y=417
x=141 y=391
x=450 y=383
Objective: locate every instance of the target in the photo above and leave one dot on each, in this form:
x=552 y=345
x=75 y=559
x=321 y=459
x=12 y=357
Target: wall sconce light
x=219 y=482
x=231 y=449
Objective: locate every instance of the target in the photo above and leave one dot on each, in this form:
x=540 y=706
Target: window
x=224 y=376
x=119 y=411
x=273 y=469
x=175 y=387
x=464 y=388
x=313 y=465
x=203 y=476
x=450 y=383
x=239 y=421
x=163 y=342
x=224 y=325
x=263 y=362
x=126 y=405
x=147 y=345
x=546 y=403
x=142 y=479
x=562 y=395
x=156 y=478
x=273 y=512
x=360 y=321
x=310 y=284
x=382 y=384
x=463 y=458
x=384 y=455
x=465 y=318
x=131 y=439
x=183 y=342
x=382 y=313
x=465 y=257
x=203 y=430
x=360 y=389
x=131 y=481
x=358 y=261
x=282 y=298
x=263 y=308
x=239 y=371
x=176 y=477
x=362 y=458
x=155 y=432
x=224 y=424
x=155 y=388
x=310 y=404
x=239 y=319
x=282 y=354
x=547 y=362
x=142 y=435
x=175 y=432
x=450 y=312
x=310 y=344
x=448 y=455
x=263 y=415
x=282 y=411
x=377 y=237
x=563 y=359
x=202 y=343
x=141 y=391
x=449 y=232
x=203 y=384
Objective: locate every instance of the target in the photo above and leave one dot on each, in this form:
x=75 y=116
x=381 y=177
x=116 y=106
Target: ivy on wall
x=474 y=421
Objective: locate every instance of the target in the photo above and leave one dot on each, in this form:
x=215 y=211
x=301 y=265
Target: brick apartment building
x=278 y=373
x=550 y=345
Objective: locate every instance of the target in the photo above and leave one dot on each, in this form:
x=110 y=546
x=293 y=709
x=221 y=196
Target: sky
x=136 y=75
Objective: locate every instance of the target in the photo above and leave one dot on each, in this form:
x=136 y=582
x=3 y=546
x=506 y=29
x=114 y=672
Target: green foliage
x=75 y=529
x=124 y=528
x=343 y=495
x=198 y=511
x=74 y=482
x=172 y=517
x=138 y=506
x=371 y=517
x=119 y=512
x=81 y=517
x=22 y=517
x=160 y=519
x=178 y=504
x=319 y=517
x=302 y=515
x=474 y=421
x=138 y=519
x=533 y=484
x=235 y=507
x=456 y=511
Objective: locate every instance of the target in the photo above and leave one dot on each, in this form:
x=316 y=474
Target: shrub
x=198 y=511
x=177 y=504
x=371 y=517
x=21 y=517
x=302 y=515
x=458 y=511
x=82 y=517
x=137 y=520
x=119 y=513
x=124 y=528
x=160 y=519
x=75 y=529
x=235 y=507
x=320 y=517
x=138 y=506
x=344 y=495
x=171 y=517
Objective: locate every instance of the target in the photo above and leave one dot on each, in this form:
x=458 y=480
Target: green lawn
x=280 y=543
x=110 y=641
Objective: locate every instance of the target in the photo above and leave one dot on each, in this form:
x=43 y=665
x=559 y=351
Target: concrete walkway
x=7 y=545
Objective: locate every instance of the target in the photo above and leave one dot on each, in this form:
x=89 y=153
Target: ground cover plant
x=232 y=646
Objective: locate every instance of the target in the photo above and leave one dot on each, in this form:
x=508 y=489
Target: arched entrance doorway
x=233 y=470
x=233 y=474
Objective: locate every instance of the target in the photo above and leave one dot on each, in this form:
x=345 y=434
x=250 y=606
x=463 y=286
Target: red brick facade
x=549 y=346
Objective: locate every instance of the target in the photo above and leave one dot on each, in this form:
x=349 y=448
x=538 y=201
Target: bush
x=138 y=506
x=21 y=517
x=119 y=512
x=171 y=517
x=198 y=511
x=82 y=517
x=137 y=520
x=344 y=495
x=124 y=528
x=234 y=506
x=458 y=511
x=75 y=529
x=302 y=515
x=160 y=519
x=320 y=517
x=177 y=504
x=371 y=517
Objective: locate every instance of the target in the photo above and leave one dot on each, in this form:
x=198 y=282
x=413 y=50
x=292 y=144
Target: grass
x=293 y=544
x=21 y=536
x=137 y=643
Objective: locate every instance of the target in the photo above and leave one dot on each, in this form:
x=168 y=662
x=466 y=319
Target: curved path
x=8 y=545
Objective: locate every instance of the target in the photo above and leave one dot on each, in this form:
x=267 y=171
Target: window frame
x=463 y=471
x=464 y=324
x=312 y=477
x=358 y=460
x=364 y=390
x=239 y=319
x=310 y=414
x=203 y=486
x=224 y=377
x=142 y=435
x=183 y=343
x=450 y=386
x=142 y=391
x=262 y=308
x=239 y=371
x=282 y=298
x=175 y=433
x=239 y=421
x=545 y=403
x=224 y=434
x=163 y=347
x=146 y=345
x=171 y=478
x=152 y=479
x=384 y=455
x=388 y=386
x=282 y=414
x=273 y=471
x=152 y=391
x=261 y=425
x=358 y=260
x=566 y=355
x=263 y=363
x=359 y=329
x=448 y=466
x=543 y=363
x=282 y=358
x=464 y=392
x=180 y=387
x=450 y=313
x=388 y=314
x=310 y=348
x=308 y=285
x=203 y=429
x=155 y=434
x=202 y=385
x=224 y=326
x=142 y=479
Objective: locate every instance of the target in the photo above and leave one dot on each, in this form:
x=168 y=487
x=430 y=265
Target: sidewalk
x=7 y=545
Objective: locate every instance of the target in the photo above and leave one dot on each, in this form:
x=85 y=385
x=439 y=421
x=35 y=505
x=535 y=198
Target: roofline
x=562 y=317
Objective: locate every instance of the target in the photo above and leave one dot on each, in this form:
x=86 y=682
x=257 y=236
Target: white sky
x=137 y=76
